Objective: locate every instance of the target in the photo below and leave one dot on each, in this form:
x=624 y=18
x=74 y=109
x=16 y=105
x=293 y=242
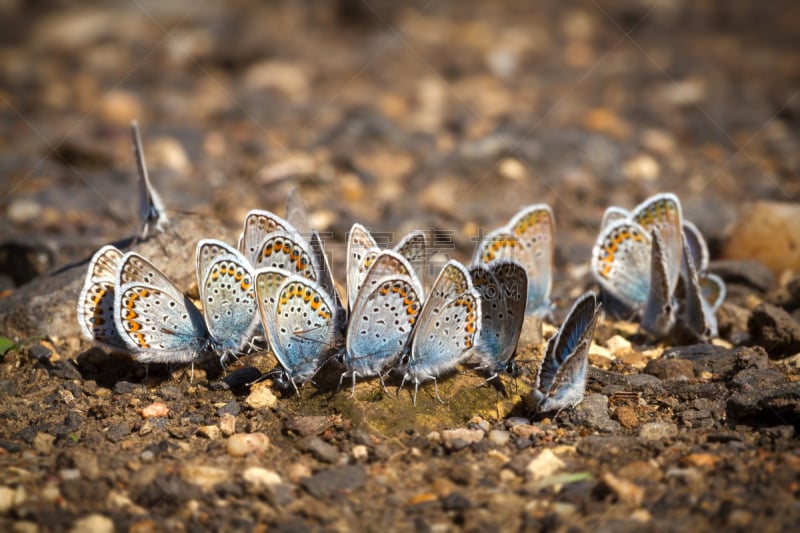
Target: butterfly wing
x=621 y=262
x=448 y=325
x=663 y=211
x=287 y=251
x=229 y=302
x=135 y=268
x=713 y=289
x=296 y=213
x=152 y=213
x=380 y=325
x=503 y=289
x=696 y=245
x=561 y=379
x=207 y=251
x=324 y=273
x=157 y=325
x=534 y=226
x=612 y=214
x=414 y=248
x=696 y=313
x=302 y=328
x=658 y=315
x=361 y=252
x=96 y=300
x=258 y=225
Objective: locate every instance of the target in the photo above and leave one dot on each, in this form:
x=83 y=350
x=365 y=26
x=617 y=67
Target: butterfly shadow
x=109 y=368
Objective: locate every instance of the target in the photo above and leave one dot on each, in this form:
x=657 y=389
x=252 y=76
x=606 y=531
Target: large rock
x=47 y=306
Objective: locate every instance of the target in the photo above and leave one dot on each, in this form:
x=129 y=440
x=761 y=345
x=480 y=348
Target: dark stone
x=10 y=447
x=125 y=387
x=670 y=368
x=592 y=412
x=611 y=449
x=9 y=387
x=758 y=378
x=117 y=432
x=238 y=380
x=280 y=495
x=686 y=391
x=80 y=490
x=770 y=406
x=165 y=491
x=455 y=501
x=774 y=329
x=335 y=480
x=169 y=392
x=718 y=361
x=40 y=353
x=748 y=272
x=308 y=425
x=320 y=449
x=230 y=408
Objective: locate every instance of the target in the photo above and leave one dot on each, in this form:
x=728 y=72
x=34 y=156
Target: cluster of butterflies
x=654 y=264
x=276 y=287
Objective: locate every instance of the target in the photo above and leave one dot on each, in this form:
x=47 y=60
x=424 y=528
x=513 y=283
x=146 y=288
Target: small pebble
x=321 y=450
x=209 y=432
x=6 y=499
x=154 y=410
x=204 y=476
x=242 y=444
x=360 y=452
x=43 y=443
x=457 y=439
x=626 y=416
x=544 y=465
x=227 y=424
x=261 y=396
x=94 y=523
x=658 y=430
x=626 y=491
x=298 y=471
x=498 y=437
x=257 y=479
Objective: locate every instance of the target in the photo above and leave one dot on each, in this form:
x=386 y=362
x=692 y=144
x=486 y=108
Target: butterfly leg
x=383 y=384
x=353 y=392
x=436 y=390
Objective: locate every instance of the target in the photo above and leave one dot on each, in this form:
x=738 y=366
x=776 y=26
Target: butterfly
x=156 y=321
x=258 y=225
x=152 y=213
x=663 y=212
x=561 y=378
x=637 y=259
x=362 y=250
x=300 y=320
x=446 y=330
x=225 y=282
x=712 y=287
x=703 y=293
x=529 y=238
x=503 y=286
x=96 y=300
x=386 y=308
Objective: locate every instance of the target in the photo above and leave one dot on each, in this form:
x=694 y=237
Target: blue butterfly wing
x=658 y=316
x=562 y=376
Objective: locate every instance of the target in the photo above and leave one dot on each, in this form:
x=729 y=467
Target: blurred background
x=442 y=115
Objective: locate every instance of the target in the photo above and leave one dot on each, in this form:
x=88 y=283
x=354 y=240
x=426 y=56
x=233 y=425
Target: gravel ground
x=444 y=116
